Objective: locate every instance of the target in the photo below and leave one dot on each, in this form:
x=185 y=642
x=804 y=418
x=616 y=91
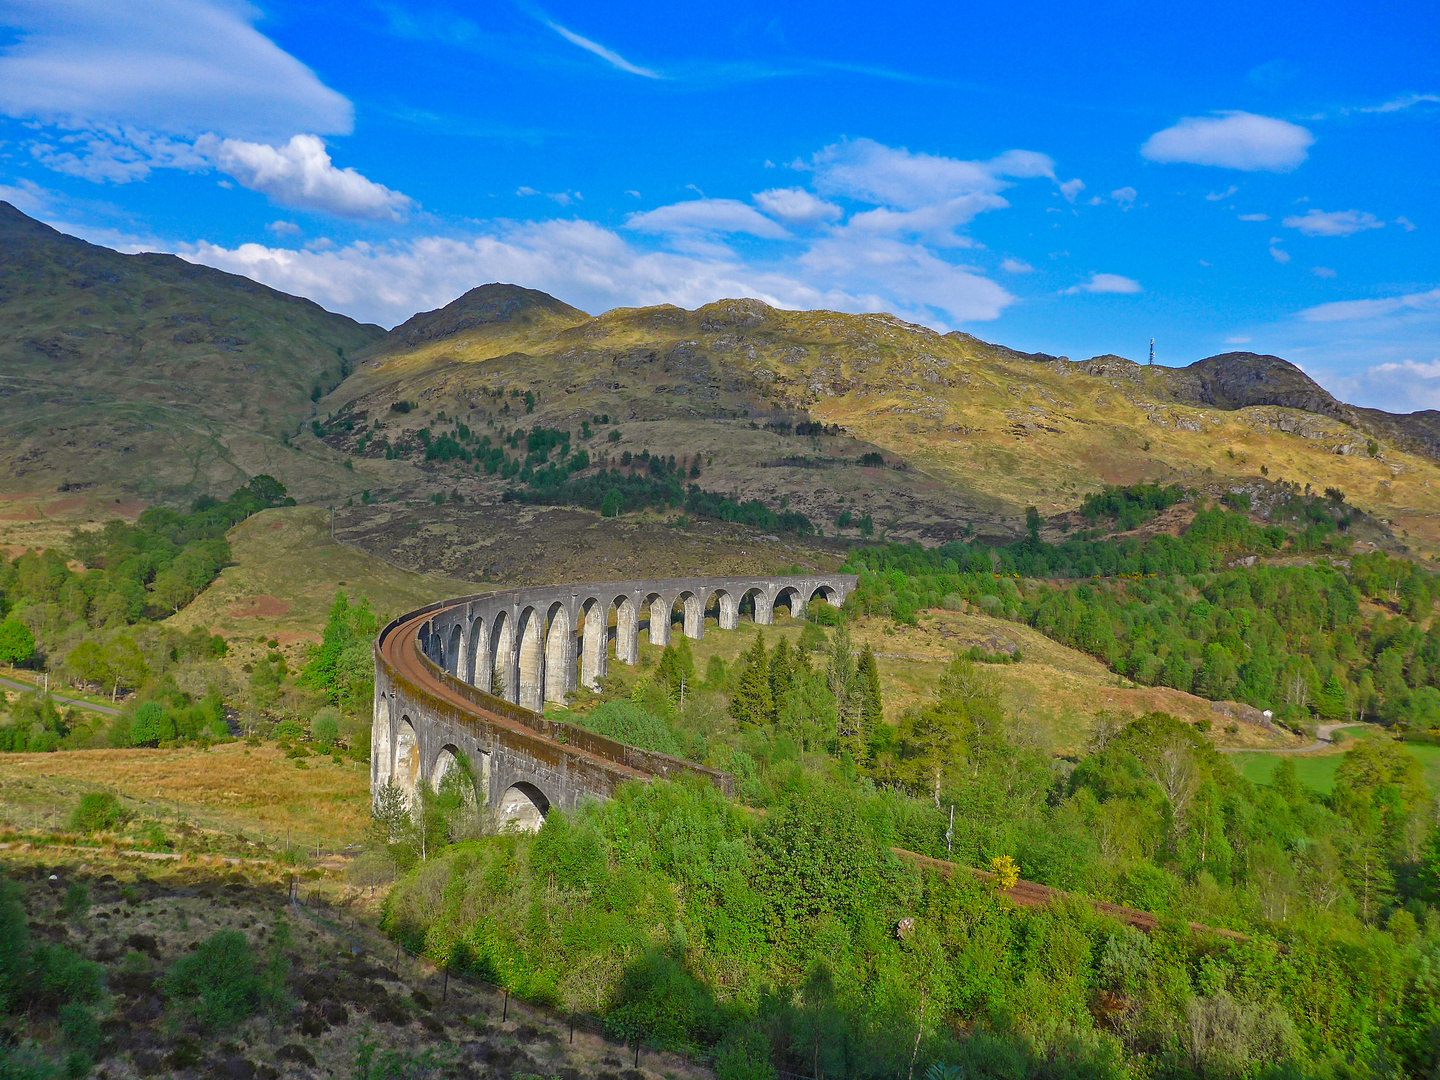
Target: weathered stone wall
x=436 y=668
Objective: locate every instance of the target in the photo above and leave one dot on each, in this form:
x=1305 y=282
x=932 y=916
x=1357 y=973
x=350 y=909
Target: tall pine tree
x=872 y=710
x=782 y=675
x=751 y=702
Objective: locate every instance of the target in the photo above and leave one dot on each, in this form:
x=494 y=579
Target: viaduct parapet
x=470 y=677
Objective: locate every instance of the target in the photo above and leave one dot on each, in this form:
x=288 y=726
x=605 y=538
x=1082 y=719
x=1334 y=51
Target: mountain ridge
x=164 y=377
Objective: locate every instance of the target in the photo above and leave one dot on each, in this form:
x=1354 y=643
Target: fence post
x=445 y=985
x=505 y=1015
x=637 y=1051
x=572 y=1025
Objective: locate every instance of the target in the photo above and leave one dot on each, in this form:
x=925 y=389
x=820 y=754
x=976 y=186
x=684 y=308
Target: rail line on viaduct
x=470 y=677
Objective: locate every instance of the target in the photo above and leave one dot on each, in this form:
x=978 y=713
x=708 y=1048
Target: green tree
x=17 y=643
x=807 y=712
x=781 y=673
x=341 y=665
x=751 y=703
x=872 y=708
x=612 y=503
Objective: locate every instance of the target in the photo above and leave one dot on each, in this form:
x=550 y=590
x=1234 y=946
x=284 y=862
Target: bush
x=325 y=728
x=631 y=724
x=220 y=984
x=150 y=725
x=97 y=812
x=289 y=729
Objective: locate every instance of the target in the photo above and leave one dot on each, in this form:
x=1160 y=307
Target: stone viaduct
x=468 y=678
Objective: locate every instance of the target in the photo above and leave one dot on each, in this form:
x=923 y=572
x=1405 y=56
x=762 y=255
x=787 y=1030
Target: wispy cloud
x=1333 y=223
x=1427 y=303
x=707 y=216
x=1106 y=283
x=610 y=56
x=1404 y=101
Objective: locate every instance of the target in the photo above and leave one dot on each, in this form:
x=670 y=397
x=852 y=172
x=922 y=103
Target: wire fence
x=321 y=913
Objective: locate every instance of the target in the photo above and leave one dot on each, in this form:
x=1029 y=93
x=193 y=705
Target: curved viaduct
x=469 y=678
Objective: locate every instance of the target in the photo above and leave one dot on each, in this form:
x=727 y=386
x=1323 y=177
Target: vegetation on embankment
x=792 y=939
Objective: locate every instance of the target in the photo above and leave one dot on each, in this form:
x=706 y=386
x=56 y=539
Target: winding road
x=108 y=710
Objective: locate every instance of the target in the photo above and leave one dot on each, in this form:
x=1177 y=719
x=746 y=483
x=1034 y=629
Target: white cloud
x=301 y=174
x=870 y=172
x=1322 y=271
x=796 y=206
x=1216 y=196
x=1406 y=224
x=1232 y=140
x=1397 y=385
x=1071 y=188
x=707 y=216
x=596 y=269
x=1107 y=283
x=634 y=193
x=523 y=191
x=284 y=228
x=919 y=195
x=115 y=91
x=1124 y=196
x=26 y=196
x=1237 y=341
x=1016 y=266
x=1279 y=254
x=179 y=67
x=611 y=57
x=1424 y=303
x=1254 y=217
x=1334 y=223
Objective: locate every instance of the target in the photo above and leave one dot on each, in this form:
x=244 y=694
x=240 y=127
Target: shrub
x=98 y=811
x=221 y=984
x=289 y=729
x=631 y=724
x=325 y=728
x=150 y=725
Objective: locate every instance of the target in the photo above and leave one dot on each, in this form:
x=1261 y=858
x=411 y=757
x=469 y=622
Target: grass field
x=233 y=789
x=1317 y=771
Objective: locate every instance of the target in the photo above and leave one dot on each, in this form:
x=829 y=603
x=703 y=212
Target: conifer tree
x=782 y=674
x=872 y=711
x=751 y=703
x=840 y=677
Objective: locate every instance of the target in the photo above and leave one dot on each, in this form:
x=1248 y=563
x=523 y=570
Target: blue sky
x=1073 y=179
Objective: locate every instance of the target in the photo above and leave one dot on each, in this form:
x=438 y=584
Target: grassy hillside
x=150 y=375
x=969 y=433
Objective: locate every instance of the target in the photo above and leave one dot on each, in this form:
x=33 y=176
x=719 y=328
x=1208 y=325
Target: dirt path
x=1324 y=737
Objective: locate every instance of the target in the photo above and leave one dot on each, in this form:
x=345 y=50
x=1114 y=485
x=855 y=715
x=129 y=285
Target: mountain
x=149 y=375
x=154 y=375
x=971 y=432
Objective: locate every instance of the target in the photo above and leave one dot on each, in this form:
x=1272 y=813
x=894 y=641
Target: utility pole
x=1152 y=352
x=950 y=832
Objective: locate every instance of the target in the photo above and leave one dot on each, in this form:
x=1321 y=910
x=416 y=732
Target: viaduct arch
x=469 y=678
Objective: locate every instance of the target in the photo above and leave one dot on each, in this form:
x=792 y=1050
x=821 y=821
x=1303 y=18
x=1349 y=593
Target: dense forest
x=1315 y=636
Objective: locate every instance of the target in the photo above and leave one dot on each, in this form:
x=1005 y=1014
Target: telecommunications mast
x=1152 y=352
